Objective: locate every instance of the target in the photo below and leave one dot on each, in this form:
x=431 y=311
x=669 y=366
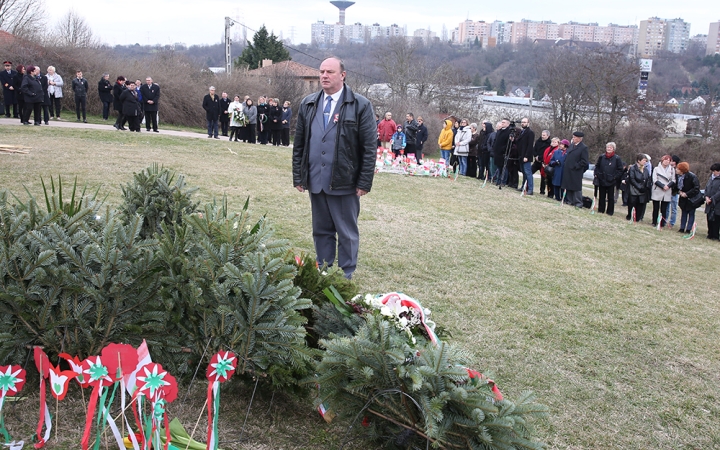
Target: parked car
x=590 y=173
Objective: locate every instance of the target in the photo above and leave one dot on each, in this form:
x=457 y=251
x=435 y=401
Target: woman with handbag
x=690 y=196
x=663 y=178
x=639 y=181
x=712 y=198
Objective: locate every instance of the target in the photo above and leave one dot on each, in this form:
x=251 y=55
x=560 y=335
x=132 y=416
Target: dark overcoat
x=576 y=163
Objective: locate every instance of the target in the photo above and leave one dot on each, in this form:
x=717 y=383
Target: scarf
x=609 y=155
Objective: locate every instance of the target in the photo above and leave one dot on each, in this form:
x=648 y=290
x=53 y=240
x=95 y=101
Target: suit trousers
x=151 y=120
x=80 y=105
x=335 y=223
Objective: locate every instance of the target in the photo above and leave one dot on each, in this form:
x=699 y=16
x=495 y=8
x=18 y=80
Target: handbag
x=697 y=200
x=549 y=171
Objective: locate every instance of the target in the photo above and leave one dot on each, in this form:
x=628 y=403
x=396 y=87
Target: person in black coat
x=80 y=89
x=275 y=121
x=576 y=163
x=526 y=154
x=17 y=85
x=10 y=95
x=211 y=105
x=224 y=117
x=688 y=190
x=131 y=106
x=286 y=117
x=639 y=183
x=542 y=143
x=105 y=91
x=500 y=150
x=608 y=170
x=712 y=198
x=117 y=91
x=484 y=149
x=46 y=99
x=33 y=95
x=422 y=137
x=262 y=121
x=151 y=98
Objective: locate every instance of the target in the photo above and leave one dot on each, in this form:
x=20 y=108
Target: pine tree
x=477 y=81
x=264 y=46
x=414 y=394
x=488 y=85
x=502 y=88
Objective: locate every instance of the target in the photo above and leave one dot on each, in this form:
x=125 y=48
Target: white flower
x=403 y=322
x=385 y=311
x=356 y=298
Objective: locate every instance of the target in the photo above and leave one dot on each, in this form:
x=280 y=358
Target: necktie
x=327 y=111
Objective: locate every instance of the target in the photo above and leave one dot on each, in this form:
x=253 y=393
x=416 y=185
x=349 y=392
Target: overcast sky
x=202 y=22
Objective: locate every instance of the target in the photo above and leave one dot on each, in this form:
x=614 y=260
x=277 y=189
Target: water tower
x=342 y=6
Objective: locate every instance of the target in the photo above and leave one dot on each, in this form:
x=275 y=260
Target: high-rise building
x=713 y=39
x=658 y=34
x=469 y=30
x=426 y=35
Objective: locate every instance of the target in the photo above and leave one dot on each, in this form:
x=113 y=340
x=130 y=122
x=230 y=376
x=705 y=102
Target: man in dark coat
x=117 y=91
x=500 y=148
x=334 y=158
x=9 y=94
x=211 y=105
x=105 y=91
x=80 y=89
x=151 y=98
x=411 y=129
x=131 y=106
x=608 y=170
x=576 y=163
x=525 y=145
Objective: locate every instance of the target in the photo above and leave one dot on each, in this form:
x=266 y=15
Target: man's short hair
x=212 y=88
x=342 y=64
x=715 y=167
x=546 y=132
x=120 y=78
x=411 y=115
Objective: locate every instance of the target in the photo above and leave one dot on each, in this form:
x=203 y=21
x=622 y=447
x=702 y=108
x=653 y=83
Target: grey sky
x=193 y=22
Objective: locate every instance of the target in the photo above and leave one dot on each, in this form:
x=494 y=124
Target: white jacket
x=665 y=176
x=462 y=141
x=55 y=89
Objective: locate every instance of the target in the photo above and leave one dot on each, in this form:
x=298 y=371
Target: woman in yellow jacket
x=445 y=141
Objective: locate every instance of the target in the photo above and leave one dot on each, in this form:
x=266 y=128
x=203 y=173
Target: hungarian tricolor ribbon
x=221 y=368
x=692 y=232
x=43 y=366
x=160 y=388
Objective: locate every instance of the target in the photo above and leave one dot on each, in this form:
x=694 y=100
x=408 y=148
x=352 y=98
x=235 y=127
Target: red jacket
x=386 y=128
x=547 y=156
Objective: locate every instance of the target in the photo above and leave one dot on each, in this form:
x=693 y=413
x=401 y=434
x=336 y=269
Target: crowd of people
x=502 y=153
x=264 y=123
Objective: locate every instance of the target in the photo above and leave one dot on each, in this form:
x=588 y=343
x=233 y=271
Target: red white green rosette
x=221 y=369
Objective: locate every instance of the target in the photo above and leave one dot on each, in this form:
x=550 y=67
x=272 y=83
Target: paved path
x=109 y=127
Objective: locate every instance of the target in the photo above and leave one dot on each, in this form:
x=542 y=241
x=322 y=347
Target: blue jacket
x=558 y=161
x=398 y=140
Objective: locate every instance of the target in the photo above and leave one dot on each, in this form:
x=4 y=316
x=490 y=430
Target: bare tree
x=22 y=18
x=73 y=31
x=397 y=59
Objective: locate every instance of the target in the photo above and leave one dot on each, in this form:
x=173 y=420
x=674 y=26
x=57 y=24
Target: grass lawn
x=613 y=325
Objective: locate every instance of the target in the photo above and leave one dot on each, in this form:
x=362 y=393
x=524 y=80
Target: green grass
x=613 y=325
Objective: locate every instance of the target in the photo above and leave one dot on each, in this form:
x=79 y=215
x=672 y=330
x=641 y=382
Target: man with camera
x=501 y=147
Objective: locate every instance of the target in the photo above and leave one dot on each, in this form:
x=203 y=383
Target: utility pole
x=228 y=45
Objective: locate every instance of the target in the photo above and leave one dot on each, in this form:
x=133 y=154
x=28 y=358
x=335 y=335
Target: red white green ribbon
x=43 y=365
x=221 y=369
x=12 y=380
x=692 y=232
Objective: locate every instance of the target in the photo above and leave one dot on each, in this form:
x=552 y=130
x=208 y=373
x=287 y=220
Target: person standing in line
x=545 y=173
x=211 y=105
x=526 y=154
x=10 y=95
x=501 y=147
x=33 y=95
x=473 y=151
x=663 y=182
x=397 y=142
x=224 y=118
x=689 y=193
x=386 y=128
x=542 y=144
x=639 y=183
x=334 y=159
x=422 y=137
x=445 y=141
x=17 y=85
x=484 y=147
x=237 y=118
x=275 y=121
x=55 y=84
x=105 y=92
x=262 y=121
x=150 y=92
x=80 y=89
x=608 y=170
x=250 y=111
x=576 y=163
x=46 y=99
x=712 y=198
x=131 y=106
x=462 y=145
x=285 y=119
x=411 y=128
x=557 y=162
x=118 y=89
x=672 y=209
